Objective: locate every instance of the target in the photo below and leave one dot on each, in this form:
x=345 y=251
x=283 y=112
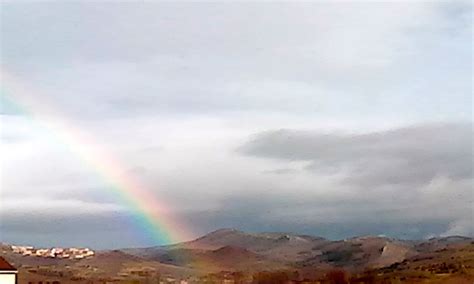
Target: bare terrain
x=232 y=256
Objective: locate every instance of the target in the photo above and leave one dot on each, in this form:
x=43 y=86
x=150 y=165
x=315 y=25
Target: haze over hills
x=288 y=248
x=233 y=251
x=279 y=246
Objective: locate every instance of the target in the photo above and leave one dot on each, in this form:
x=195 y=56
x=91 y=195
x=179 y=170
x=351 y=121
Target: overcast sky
x=330 y=118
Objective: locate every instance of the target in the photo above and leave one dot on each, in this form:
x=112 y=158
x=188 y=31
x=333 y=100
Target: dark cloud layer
x=407 y=156
x=331 y=219
x=96 y=230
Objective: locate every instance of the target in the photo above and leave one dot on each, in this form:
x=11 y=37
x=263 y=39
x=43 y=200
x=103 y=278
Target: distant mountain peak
x=450 y=238
x=224 y=230
x=221 y=233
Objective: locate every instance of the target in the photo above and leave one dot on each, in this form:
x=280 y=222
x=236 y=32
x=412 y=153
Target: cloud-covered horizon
x=325 y=118
x=407 y=173
x=396 y=182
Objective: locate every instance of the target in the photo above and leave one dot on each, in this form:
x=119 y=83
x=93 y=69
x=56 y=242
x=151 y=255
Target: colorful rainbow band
x=152 y=216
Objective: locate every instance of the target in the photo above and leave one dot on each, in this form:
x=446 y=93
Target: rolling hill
x=234 y=251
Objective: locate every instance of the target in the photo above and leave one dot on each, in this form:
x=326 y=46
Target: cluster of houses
x=71 y=253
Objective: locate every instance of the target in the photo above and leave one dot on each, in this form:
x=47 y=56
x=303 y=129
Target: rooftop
x=5 y=266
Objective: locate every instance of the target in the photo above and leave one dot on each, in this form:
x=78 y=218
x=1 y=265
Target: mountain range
x=231 y=251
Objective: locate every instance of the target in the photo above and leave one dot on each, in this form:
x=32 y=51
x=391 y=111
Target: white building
x=8 y=273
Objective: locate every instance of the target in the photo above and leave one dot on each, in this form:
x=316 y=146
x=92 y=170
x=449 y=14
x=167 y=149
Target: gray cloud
x=98 y=60
x=406 y=156
x=282 y=171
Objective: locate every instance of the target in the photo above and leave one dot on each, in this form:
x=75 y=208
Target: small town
x=56 y=252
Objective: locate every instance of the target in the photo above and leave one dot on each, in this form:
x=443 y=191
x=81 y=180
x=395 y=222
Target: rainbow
x=152 y=216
